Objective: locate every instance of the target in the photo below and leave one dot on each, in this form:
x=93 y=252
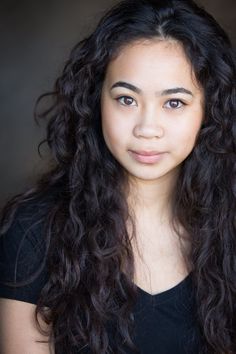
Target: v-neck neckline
x=166 y=294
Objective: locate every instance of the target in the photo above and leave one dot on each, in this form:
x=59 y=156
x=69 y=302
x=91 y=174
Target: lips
x=147 y=157
x=147 y=153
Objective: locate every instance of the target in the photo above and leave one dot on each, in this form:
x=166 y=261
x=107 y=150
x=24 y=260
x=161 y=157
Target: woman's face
x=151 y=104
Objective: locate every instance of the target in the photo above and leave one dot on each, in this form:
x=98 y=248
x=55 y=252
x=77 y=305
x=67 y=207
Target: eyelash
x=173 y=99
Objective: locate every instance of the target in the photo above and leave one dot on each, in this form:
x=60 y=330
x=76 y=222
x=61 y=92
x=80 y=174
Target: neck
x=152 y=198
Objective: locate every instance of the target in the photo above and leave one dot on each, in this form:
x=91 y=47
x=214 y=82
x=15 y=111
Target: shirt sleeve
x=23 y=272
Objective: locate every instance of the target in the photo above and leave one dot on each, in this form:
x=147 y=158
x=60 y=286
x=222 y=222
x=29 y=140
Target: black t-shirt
x=165 y=323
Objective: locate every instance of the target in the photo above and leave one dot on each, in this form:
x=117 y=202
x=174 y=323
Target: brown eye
x=174 y=103
x=126 y=100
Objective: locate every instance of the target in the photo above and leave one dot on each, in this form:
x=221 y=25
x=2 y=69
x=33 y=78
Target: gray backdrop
x=36 y=38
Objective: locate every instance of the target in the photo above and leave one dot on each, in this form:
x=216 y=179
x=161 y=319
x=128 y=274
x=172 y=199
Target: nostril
x=148 y=131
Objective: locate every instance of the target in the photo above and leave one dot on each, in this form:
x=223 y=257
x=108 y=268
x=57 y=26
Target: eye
x=125 y=100
x=174 y=103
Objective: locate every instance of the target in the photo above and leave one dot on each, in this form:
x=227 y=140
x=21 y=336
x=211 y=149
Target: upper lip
x=146 y=152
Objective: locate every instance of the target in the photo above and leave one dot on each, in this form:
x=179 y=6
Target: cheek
x=110 y=133
x=115 y=125
x=184 y=139
x=113 y=131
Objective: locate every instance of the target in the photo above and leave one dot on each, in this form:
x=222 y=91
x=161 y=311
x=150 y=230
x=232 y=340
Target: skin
x=149 y=120
x=18 y=331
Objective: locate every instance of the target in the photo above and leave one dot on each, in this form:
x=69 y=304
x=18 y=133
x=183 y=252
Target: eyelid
x=125 y=96
x=176 y=99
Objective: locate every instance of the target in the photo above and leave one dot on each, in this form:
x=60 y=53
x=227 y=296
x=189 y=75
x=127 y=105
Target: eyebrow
x=161 y=93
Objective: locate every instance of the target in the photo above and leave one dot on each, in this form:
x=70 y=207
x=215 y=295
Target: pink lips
x=146 y=156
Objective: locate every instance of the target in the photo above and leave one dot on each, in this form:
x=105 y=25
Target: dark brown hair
x=87 y=243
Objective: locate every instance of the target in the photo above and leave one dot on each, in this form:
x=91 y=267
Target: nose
x=148 y=124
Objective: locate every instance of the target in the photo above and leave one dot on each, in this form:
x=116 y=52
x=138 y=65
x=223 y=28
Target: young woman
x=128 y=243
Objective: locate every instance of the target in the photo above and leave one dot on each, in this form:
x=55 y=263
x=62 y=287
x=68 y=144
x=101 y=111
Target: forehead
x=142 y=46
x=153 y=60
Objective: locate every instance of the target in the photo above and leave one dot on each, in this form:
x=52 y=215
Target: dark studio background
x=36 y=38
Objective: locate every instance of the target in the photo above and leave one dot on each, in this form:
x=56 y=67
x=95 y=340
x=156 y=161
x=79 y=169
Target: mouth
x=147 y=157
x=146 y=153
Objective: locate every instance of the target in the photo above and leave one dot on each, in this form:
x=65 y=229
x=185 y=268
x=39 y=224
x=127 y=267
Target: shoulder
x=26 y=232
x=23 y=251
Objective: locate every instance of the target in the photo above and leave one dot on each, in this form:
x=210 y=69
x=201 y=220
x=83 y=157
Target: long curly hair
x=88 y=248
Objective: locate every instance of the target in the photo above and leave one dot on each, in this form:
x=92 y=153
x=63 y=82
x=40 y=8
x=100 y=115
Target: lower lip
x=146 y=158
